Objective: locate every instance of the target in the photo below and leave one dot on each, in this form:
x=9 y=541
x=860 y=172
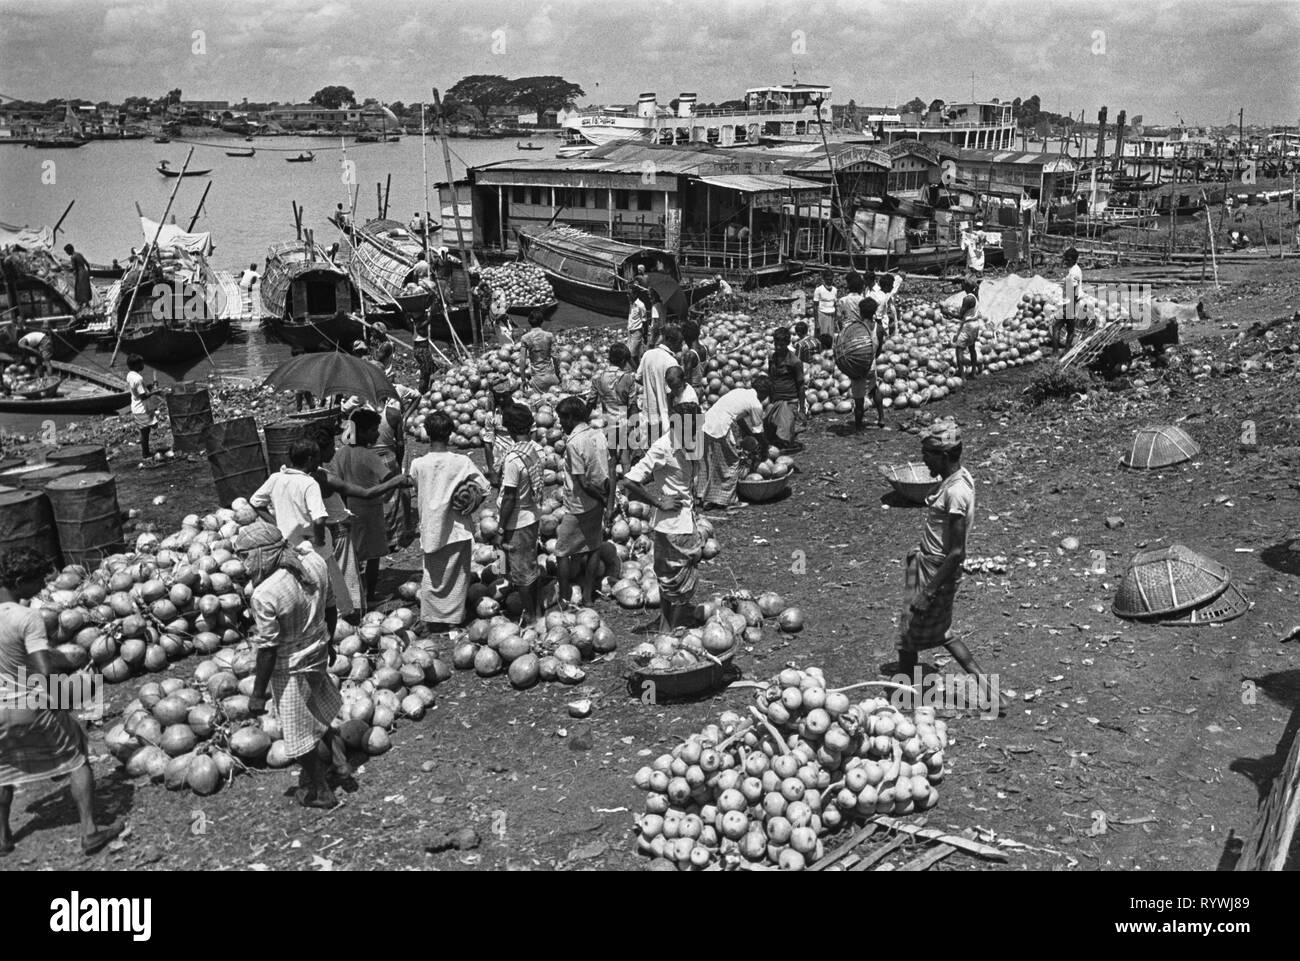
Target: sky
x=1200 y=60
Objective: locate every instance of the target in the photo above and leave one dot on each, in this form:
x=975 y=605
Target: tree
x=173 y=96
x=398 y=108
x=915 y=105
x=333 y=97
x=541 y=93
x=481 y=90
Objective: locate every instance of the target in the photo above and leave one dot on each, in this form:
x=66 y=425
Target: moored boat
x=171 y=313
x=241 y=153
x=72 y=390
x=595 y=272
x=167 y=171
x=38 y=291
x=302 y=158
x=308 y=301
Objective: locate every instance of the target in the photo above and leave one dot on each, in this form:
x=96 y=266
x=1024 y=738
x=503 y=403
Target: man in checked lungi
x=37 y=741
x=294 y=617
x=735 y=421
x=665 y=479
x=933 y=570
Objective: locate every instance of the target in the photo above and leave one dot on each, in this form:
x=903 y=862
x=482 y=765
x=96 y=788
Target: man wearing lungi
x=293 y=629
x=586 y=493
x=652 y=377
x=36 y=741
x=521 y=493
x=359 y=464
x=736 y=417
x=340 y=558
x=540 y=368
x=501 y=394
x=933 y=570
x=448 y=489
x=614 y=393
x=860 y=387
x=664 y=479
x=787 y=406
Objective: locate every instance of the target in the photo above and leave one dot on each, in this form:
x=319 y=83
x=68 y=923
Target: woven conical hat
x=1231 y=603
x=1160 y=447
x=1167 y=580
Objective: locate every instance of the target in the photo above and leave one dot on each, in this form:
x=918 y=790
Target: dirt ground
x=1128 y=746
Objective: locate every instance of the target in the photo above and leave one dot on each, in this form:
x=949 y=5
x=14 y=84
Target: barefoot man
x=934 y=569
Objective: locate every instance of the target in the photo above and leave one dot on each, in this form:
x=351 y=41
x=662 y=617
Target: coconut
x=170 y=710
x=204 y=776
x=222 y=685
x=568 y=654
x=278 y=756
x=250 y=744
x=236 y=708
x=377 y=742
x=202 y=720
x=512 y=647
x=791 y=620
x=121 y=743
x=487 y=662
x=524 y=671
x=177 y=769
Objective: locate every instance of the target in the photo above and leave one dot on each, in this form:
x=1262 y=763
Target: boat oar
x=148 y=252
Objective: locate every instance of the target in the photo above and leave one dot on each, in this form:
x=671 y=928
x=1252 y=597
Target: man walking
x=933 y=569
x=294 y=617
x=586 y=492
x=521 y=492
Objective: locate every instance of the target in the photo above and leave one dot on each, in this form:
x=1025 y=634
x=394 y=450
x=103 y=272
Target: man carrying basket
x=856 y=347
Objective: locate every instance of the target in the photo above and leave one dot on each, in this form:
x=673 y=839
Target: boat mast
x=455 y=212
x=424 y=161
x=148 y=252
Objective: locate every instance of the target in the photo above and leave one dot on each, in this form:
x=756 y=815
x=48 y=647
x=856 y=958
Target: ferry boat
x=784 y=110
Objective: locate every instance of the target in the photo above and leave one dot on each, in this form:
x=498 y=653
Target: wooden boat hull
x=241 y=153
x=299 y=160
x=319 y=335
x=524 y=310
x=169 y=345
x=82 y=392
x=57 y=144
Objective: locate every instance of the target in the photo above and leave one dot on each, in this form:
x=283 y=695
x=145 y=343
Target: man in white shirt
x=141 y=413
x=825 y=297
x=665 y=479
x=882 y=293
x=972 y=241
x=652 y=376
x=728 y=425
x=38 y=347
x=637 y=318
x=249 y=277
x=1073 y=290
x=586 y=492
x=724 y=288
x=292 y=500
x=521 y=492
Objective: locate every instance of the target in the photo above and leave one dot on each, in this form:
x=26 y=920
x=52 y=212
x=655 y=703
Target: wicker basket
x=759 y=492
x=1168 y=580
x=681 y=682
x=913 y=481
x=1155 y=447
x=854 y=351
x=1231 y=603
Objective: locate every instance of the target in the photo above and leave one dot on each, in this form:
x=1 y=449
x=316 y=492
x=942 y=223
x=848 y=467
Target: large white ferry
x=783 y=111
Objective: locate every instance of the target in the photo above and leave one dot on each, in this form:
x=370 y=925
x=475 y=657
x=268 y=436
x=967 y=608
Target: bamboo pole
x=455 y=209
x=199 y=209
x=55 y=234
x=424 y=162
x=148 y=252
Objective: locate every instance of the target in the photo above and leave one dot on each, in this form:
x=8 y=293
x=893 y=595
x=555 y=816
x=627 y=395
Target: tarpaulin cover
x=172 y=237
x=1000 y=298
x=29 y=238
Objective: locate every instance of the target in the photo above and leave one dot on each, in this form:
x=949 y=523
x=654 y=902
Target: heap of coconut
x=766 y=789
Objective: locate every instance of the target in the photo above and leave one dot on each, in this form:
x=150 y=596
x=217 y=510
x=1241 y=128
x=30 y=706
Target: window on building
x=644 y=199
x=601 y=198
x=620 y=200
x=519 y=195
x=540 y=196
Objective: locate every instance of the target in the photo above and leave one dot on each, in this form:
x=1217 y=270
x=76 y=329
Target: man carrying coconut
x=728 y=426
x=968 y=336
x=665 y=479
x=448 y=489
x=37 y=742
x=586 y=493
x=933 y=569
x=294 y=617
x=788 y=403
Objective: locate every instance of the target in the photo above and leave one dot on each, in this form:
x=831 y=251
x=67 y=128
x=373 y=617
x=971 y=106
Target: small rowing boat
x=167 y=171
x=73 y=390
x=302 y=158
x=241 y=153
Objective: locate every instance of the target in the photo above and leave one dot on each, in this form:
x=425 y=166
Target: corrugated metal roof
x=1028 y=158
x=758 y=183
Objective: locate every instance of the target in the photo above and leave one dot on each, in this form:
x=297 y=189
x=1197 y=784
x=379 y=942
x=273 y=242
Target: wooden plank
x=880 y=853
x=932 y=834
x=931 y=856
x=845 y=849
x=1269 y=842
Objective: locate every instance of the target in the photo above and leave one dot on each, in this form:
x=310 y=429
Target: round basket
x=681 y=682
x=1168 y=580
x=913 y=481
x=1155 y=447
x=39 y=389
x=1231 y=603
x=854 y=351
x=759 y=492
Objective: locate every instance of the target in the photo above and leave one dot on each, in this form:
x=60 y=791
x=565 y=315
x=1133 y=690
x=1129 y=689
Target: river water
x=247 y=209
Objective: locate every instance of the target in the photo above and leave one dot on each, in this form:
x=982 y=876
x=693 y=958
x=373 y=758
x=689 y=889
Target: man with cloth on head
x=294 y=617
x=933 y=569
